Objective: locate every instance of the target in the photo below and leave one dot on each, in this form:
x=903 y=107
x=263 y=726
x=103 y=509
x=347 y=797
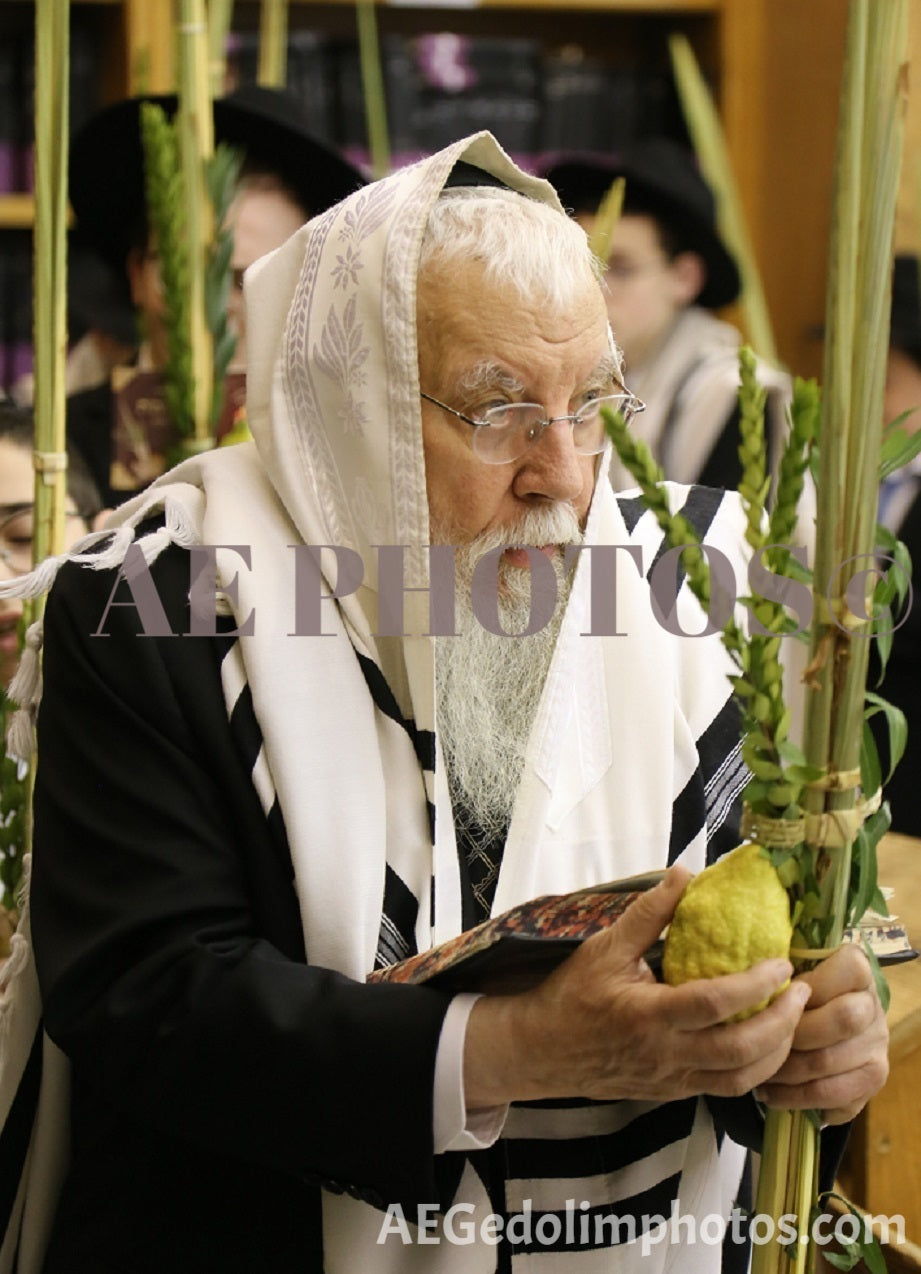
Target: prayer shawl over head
x=632 y=761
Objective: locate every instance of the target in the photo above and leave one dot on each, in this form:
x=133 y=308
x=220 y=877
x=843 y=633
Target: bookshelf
x=774 y=65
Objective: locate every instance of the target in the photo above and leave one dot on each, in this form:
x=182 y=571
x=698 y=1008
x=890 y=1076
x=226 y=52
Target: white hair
x=521 y=242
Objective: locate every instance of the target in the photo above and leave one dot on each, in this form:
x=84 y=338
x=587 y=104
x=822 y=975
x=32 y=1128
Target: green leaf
x=873 y=1256
x=899 y=447
x=879 y=980
x=863 y=870
x=224 y=347
x=871 y=775
x=843 y=1260
x=896 y=727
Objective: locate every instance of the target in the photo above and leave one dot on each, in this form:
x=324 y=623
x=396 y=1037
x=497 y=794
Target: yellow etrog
x=732 y=915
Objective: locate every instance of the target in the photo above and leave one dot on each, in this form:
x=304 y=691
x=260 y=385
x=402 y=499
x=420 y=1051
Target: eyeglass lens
x=512 y=428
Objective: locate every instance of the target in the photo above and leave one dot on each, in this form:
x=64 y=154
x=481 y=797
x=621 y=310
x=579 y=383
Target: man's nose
x=551 y=467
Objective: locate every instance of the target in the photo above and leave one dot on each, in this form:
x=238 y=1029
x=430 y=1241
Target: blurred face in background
x=261 y=217
x=645 y=289
x=17 y=483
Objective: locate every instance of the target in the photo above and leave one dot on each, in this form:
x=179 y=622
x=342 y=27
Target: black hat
x=97 y=296
x=662 y=179
x=268 y=125
x=905 y=325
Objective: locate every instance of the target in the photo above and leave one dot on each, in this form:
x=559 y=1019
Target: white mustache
x=557 y=524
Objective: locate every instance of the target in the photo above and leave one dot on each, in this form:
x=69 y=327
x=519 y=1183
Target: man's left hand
x=839 y=1057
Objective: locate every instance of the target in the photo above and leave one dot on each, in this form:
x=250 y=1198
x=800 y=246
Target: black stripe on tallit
x=689 y=815
x=642 y=1209
x=712 y=796
x=423 y=741
x=725 y=776
x=555 y=1158
x=396 y=940
x=17 y=1132
x=700 y=508
x=632 y=509
x=247 y=736
x=245 y=728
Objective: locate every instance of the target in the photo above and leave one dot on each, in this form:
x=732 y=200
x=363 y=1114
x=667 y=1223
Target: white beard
x=488 y=685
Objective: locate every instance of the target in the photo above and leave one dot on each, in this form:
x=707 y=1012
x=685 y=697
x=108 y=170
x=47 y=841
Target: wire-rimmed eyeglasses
x=505 y=432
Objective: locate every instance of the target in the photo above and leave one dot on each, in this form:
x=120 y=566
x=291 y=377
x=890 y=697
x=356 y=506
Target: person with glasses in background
x=668 y=274
x=17 y=486
x=299 y=774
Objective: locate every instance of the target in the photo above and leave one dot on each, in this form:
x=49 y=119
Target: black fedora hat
x=663 y=180
x=269 y=125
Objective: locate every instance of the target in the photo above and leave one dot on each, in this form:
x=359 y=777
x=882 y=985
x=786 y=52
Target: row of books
x=15 y=306
x=17 y=97
x=438 y=87
x=442 y=86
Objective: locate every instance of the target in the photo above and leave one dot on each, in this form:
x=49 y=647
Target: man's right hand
x=600 y=1026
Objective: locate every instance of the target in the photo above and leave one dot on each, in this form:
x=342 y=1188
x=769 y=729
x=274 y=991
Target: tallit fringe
x=26 y=687
x=18 y=959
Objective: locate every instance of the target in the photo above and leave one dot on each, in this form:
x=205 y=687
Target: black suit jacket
x=218 y=1079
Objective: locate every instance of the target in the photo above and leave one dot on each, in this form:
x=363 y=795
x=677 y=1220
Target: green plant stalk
x=52 y=76
x=196 y=145
x=52 y=73
x=220 y=13
x=851 y=430
x=222 y=173
x=706 y=130
x=372 y=83
x=606 y=219
x=273 y=44
x=165 y=211
x=869 y=152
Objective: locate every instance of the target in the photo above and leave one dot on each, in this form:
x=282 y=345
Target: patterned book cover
x=144 y=437
x=522 y=945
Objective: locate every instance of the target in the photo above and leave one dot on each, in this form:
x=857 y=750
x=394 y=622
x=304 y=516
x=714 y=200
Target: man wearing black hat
x=668 y=269
x=287 y=177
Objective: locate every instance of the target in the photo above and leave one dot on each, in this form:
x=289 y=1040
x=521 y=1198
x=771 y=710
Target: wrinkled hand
x=600 y=1026
x=839 y=1057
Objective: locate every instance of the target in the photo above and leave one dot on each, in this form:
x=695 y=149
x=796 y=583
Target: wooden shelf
x=660 y=7
x=17 y=211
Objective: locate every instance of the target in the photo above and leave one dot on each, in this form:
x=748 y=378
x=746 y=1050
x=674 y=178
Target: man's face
x=522 y=351
x=17 y=491
x=261 y=218
x=645 y=289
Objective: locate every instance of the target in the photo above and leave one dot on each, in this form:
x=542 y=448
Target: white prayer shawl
x=690 y=386
x=334 y=409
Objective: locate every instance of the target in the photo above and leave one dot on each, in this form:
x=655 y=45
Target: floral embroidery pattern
x=341 y=355
x=345 y=271
x=370 y=210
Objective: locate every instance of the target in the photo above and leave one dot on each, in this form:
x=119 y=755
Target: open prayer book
x=520 y=947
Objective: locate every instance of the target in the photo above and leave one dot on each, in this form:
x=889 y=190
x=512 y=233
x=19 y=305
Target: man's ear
x=689 y=274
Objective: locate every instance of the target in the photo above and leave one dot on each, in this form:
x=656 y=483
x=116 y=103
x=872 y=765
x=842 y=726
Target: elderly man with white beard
x=261 y=817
